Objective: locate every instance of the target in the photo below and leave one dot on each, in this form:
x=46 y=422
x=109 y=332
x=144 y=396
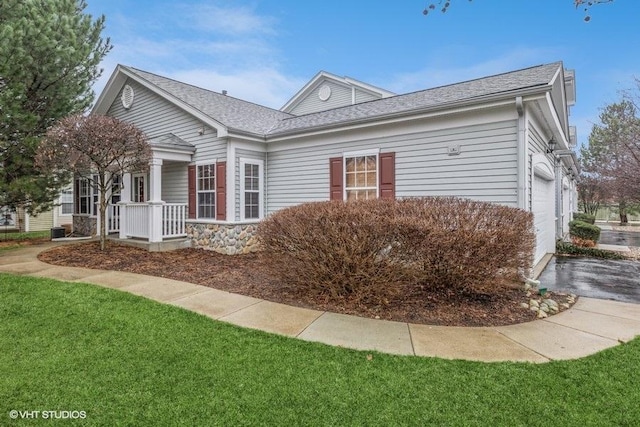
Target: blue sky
x=265 y=50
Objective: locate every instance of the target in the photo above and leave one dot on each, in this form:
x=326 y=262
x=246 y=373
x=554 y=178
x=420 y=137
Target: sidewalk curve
x=589 y=326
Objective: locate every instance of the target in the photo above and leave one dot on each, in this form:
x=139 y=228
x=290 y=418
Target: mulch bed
x=247 y=275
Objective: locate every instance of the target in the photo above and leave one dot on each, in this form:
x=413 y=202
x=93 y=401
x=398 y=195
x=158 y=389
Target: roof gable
x=326 y=91
x=225 y=113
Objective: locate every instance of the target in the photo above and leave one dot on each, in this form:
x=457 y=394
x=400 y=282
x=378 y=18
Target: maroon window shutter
x=387 y=175
x=221 y=191
x=336 y=190
x=191 y=172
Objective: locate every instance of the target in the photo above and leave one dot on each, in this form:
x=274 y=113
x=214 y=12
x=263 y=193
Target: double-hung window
x=251 y=184
x=66 y=201
x=206 y=190
x=361 y=176
x=83 y=196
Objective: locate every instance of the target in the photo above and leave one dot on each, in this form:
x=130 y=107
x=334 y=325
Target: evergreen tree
x=50 y=51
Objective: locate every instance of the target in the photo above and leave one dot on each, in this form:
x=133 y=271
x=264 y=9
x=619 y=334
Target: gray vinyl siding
x=340 y=97
x=174 y=182
x=246 y=154
x=536 y=143
x=41 y=222
x=485 y=170
x=363 y=96
x=157 y=117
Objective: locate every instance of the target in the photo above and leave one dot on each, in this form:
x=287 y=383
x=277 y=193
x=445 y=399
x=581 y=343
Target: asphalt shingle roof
x=245 y=116
x=172 y=141
x=232 y=112
x=502 y=83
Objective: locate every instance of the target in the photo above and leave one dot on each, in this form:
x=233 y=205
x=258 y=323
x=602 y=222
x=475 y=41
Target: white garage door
x=544 y=216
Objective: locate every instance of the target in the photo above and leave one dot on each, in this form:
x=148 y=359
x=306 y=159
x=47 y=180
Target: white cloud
x=229 y=20
x=441 y=70
x=264 y=86
x=215 y=46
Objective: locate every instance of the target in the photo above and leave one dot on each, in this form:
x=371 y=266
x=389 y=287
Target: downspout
x=558 y=174
x=522 y=156
x=266 y=183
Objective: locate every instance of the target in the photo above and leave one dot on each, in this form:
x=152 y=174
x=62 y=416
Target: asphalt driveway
x=594 y=278
x=622 y=238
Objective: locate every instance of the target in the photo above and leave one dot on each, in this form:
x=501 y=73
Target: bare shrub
x=583 y=243
x=335 y=249
x=464 y=244
x=369 y=251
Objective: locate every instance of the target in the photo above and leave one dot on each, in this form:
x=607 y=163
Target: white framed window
x=139 y=188
x=66 y=201
x=361 y=175
x=206 y=190
x=84 y=196
x=116 y=188
x=95 y=195
x=251 y=185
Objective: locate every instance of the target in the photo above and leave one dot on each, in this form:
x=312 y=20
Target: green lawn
x=128 y=361
x=17 y=240
x=20 y=237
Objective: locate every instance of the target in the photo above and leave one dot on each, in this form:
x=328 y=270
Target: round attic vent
x=127 y=97
x=324 y=93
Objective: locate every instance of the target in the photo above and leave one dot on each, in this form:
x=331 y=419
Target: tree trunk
x=103 y=211
x=624 y=220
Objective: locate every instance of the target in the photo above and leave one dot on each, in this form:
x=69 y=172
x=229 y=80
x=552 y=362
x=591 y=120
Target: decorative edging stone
x=545 y=306
x=226 y=239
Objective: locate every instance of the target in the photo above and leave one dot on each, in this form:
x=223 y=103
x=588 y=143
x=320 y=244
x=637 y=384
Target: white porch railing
x=174 y=217
x=137 y=219
x=113 y=218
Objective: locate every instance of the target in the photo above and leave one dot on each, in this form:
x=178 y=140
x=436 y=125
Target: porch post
x=155 y=201
x=125 y=199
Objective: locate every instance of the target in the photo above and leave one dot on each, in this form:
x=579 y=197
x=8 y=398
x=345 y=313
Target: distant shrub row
x=566 y=248
x=584 y=217
x=371 y=250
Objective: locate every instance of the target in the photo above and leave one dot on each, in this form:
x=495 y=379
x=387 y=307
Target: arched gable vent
x=127 y=97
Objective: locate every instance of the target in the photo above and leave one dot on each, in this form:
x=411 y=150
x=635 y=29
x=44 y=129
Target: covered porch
x=152 y=207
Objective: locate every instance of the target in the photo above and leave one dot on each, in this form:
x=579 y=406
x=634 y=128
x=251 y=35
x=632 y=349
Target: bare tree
x=95 y=146
x=613 y=154
x=591 y=193
x=444 y=5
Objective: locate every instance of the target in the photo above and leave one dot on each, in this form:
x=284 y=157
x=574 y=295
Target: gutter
x=522 y=155
x=504 y=96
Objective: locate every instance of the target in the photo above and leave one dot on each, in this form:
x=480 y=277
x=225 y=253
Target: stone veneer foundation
x=85 y=225
x=223 y=238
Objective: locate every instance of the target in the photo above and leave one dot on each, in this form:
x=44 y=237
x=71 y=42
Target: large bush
x=369 y=251
x=583 y=230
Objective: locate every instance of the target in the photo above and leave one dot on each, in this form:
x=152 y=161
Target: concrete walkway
x=588 y=327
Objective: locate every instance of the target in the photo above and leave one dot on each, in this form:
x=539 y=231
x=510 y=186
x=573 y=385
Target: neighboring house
x=221 y=164
x=60 y=215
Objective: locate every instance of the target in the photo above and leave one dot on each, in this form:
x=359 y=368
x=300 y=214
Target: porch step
x=164 y=246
